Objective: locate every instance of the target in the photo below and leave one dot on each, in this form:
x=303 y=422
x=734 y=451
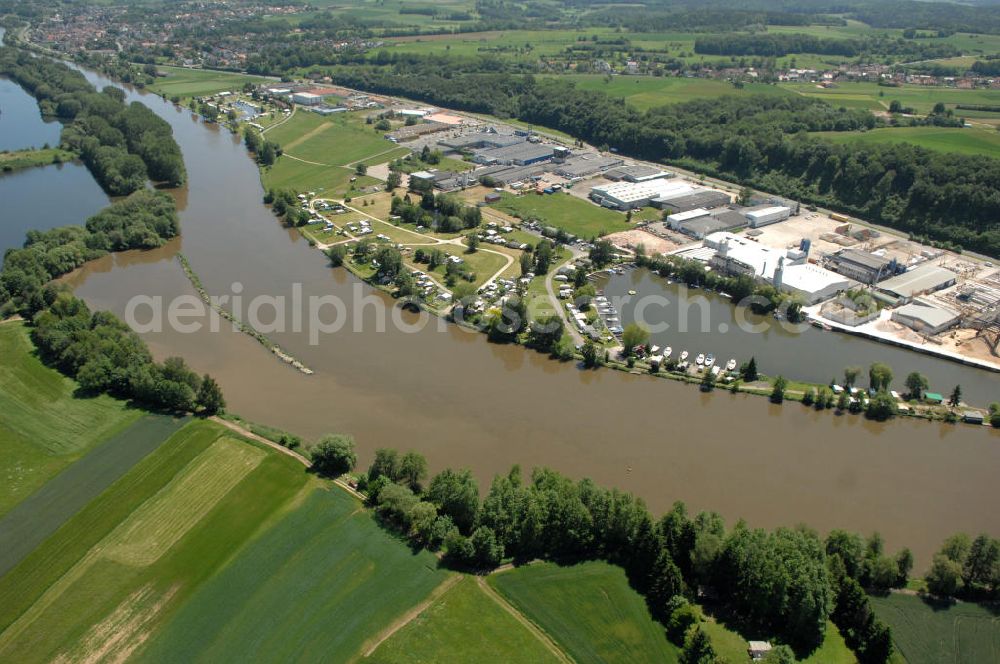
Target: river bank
x=466 y=403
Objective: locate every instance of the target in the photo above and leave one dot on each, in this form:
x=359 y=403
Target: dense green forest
x=122 y=145
x=759 y=140
x=777 y=45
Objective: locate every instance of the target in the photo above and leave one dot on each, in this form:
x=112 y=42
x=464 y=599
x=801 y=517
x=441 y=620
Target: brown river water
x=464 y=402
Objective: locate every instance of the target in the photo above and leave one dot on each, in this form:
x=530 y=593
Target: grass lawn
x=941 y=139
x=484 y=263
x=570 y=213
x=589 y=610
x=318 y=584
x=336 y=140
x=43 y=427
x=930 y=632
x=464 y=625
x=185 y=82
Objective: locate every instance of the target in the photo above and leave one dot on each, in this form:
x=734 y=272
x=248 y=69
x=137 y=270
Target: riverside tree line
x=785 y=583
x=123 y=145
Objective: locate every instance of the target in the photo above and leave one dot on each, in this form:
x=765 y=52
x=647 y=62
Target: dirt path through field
x=531 y=627
x=411 y=615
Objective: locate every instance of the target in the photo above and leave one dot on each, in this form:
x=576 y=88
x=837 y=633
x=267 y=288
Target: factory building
x=767 y=215
x=861 y=266
x=637 y=173
x=810 y=283
x=480 y=139
x=520 y=154
x=918 y=281
x=736 y=255
x=508 y=175
x=584 y=165
x=703 y=198
x=307 y=99
x=925 y=317
x=628 y=195
x=703 y=225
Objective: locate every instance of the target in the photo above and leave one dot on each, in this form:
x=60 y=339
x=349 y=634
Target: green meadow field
x=318 y=583
x=921 y=98
x=589 y=610
x=463 y=625
x=570 y=213
x=928 y=632
x=646 y=92
x=185 y=82
x=942 y=139
x=43 y=427
x=320 y=153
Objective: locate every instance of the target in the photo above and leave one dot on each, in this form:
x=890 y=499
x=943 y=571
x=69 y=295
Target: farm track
x=528 y=624
x=412 y=614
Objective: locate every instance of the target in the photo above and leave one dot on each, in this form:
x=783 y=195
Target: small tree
x=778 y=392
x=590 y=354
x=851 y=376
x=916 y=385
x=745 y=196
x=210 y=396
x=708 y=382
x=360 y=168
x=633 y=336
x=334 y=455
x=956 y=397
x=879 y=376
x=472 y=240
x=749 y=370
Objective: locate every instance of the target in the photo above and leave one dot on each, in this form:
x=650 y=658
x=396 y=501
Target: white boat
x=700 y=360
x=715 y=371
x=684 y=355
x=710 y=360
x=667 y=351
x=631 y=292
x=731 y=364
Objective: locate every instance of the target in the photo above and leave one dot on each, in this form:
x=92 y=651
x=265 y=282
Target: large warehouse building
x=918 y=281
x=701 y=198
x=810 y=283
x=628 y=195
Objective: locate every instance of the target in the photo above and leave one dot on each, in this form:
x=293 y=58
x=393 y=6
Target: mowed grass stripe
x=171 y=513
x=589 y=610
x=43 y=512
x=104 y=609
x=26 y=582
x=315 y=586
x=43 y=426
x=463 y=625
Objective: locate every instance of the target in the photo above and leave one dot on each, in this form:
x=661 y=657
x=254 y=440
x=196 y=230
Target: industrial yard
x=845 y=274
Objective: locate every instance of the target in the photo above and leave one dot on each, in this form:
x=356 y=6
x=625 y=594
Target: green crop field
x=570 y=213
x=463 y=625
x=919 y=97
x=646 y=92
x=39 y=515
x=185 y=82
x=941 y=139
x=43 y=428
x=318 y=584
x=589 y=610
x=927 y=632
